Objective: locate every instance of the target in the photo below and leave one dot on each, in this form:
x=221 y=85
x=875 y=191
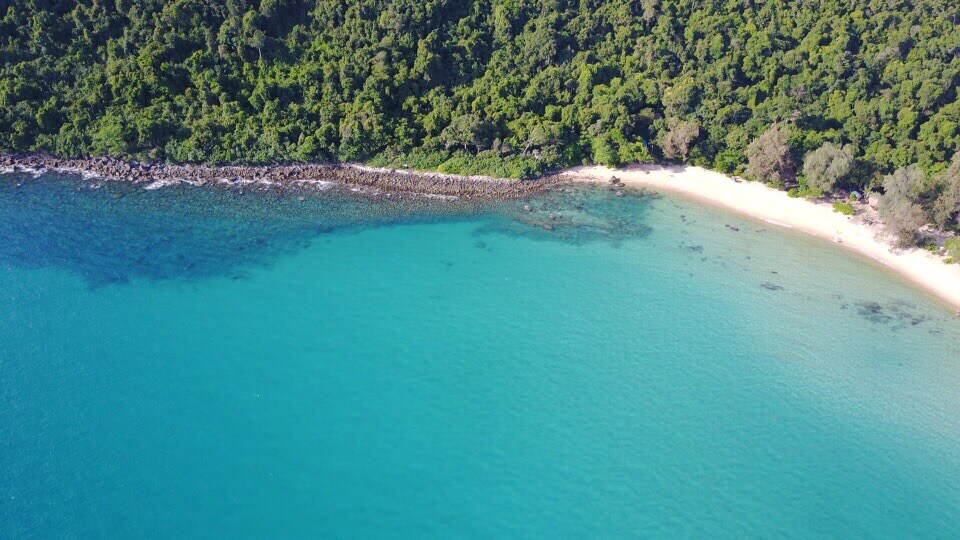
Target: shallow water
x=191 y=361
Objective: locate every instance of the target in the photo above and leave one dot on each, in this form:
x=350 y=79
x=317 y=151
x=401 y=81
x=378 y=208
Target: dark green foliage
x=826 y=166
x=481 y=85
x=947 y=205
x=769 y=156
x=844 y=208
x=901 y=208
x=952 y=247
x=679 y=140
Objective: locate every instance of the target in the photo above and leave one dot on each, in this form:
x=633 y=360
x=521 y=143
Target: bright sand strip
x=777 y=208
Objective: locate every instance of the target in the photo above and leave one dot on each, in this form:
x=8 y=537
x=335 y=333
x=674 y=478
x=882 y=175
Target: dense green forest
x=507 y=87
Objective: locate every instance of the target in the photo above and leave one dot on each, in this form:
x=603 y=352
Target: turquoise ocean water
x=187 y=362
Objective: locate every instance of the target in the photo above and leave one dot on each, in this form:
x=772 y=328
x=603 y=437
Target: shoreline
x=753 y=199
x=369 y=181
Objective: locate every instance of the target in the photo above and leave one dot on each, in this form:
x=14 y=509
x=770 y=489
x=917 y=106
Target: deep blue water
x=193 y=362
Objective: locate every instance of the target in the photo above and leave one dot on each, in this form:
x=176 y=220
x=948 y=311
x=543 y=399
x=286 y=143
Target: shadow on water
x=121 y=232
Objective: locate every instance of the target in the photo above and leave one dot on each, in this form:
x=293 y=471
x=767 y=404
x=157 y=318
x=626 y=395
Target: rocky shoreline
x=376 y=182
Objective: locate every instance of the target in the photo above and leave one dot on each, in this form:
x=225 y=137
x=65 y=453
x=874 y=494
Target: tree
x=111 y=137
x=468 y=130
x=557 y=81
x=363 y=128
x=826 y=166
x=679 y=139
x=604 y=152
x=253 y=32
x=952 y=247
x=544 y=135
x=947 y=206
x=770 y=157
x=900 y=208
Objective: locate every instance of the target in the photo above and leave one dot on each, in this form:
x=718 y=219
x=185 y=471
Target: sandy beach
x=775 y=207
x=754 y=199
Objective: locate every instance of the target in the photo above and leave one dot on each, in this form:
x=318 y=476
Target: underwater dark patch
x=574 y=215
x=898 y=313
x=873 y=312
x=119 y=232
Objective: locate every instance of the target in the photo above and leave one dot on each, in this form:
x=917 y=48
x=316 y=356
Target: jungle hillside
x=831 y=94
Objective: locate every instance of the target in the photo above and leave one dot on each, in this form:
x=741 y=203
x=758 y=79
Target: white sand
x=775 y=207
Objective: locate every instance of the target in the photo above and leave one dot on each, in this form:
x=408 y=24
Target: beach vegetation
x=952 y=248
x=770 y=157
x=844 y=208
x=946 y=208
x=679 y=139
x=803 y=189
x=826 y=167
x=900 y=206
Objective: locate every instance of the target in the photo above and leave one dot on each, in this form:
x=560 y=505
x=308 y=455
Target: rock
x=284 y=176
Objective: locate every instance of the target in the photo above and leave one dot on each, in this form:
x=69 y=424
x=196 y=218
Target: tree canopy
x=901 y=207
x=509 y=87
x=769 y=156
x=947 y=206
x=826 y=166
